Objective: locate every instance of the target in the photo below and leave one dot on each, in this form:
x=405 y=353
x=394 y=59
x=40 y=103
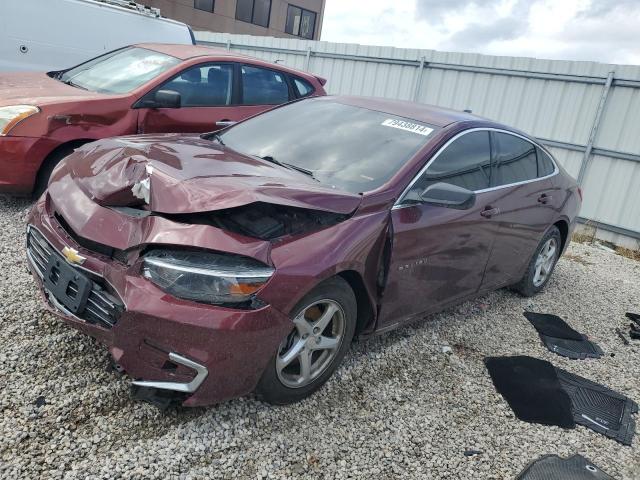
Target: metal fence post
x=418 y=86
x=594 y=129
x=307 y=61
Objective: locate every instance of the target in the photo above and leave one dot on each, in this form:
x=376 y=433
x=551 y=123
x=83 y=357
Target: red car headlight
x=13 y=115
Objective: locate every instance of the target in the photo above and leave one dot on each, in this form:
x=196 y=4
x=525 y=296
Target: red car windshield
x=119 y=72
x=351 y=148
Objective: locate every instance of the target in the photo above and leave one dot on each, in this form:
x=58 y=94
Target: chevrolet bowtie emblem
x=72 y=256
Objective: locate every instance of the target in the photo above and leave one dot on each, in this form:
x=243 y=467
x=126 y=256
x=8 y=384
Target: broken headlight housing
x=206 y=277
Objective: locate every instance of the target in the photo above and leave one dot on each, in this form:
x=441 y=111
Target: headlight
x=206 y=277
x=11 y=116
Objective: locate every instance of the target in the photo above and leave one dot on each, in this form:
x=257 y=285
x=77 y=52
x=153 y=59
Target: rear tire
x=324 y=323
x=542 y=264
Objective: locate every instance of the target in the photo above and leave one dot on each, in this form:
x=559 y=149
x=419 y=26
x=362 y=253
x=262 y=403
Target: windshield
x=351 y=148
x=120 y=71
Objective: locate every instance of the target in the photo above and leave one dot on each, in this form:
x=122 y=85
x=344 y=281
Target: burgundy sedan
x=247 y=260
x=139 y=89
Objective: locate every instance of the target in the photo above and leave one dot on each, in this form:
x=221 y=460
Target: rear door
x=523 y=203
x=439 y=254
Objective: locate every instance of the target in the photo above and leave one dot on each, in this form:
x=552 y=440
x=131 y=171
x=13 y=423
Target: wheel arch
x=366 y=311
x=563 y=226
x=53 y=155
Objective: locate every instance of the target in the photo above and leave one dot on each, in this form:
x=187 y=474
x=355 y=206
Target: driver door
x=439 y=254
x=206 y=93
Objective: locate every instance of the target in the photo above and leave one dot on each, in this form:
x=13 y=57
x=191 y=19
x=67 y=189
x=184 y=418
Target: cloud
x=598 y=8
x=477 y=35
x=596 y=30
x=434 y=11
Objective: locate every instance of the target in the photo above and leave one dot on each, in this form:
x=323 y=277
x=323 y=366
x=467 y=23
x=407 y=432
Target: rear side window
x=515 y=160
x=203 y=86
x=545 y=164
x=465 y=163
x=261 y=86
x=303 y=87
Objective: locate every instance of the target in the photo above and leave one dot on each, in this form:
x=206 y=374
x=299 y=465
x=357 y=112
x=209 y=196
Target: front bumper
x=209 y=353
x=20 y=160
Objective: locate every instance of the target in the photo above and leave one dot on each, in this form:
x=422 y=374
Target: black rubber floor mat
x=552 y=467
x=560 y=338
x=600 y=408
x=532 y=390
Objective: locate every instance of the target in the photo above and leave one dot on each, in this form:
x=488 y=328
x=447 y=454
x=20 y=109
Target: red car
x=138 y=89
x=215 y=265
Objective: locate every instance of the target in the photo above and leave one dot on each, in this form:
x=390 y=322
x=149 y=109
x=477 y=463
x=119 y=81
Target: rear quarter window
x=303 y=88
x=515 y=160
x=545 y=164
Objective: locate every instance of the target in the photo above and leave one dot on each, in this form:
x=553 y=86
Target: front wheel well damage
x=365 y=309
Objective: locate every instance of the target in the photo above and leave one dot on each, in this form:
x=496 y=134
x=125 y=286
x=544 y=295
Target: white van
x=45 y=35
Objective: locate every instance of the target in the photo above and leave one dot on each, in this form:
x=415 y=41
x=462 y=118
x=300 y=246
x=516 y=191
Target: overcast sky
x=601 y=30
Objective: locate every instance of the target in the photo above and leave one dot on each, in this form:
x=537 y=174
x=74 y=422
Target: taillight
x=580 y=193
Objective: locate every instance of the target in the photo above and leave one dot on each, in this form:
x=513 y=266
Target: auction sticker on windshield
x=408 y=126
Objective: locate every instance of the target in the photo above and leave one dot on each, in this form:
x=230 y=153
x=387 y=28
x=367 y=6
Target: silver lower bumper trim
x=192 y=386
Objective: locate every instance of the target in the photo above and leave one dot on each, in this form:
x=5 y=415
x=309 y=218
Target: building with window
x=274 y=18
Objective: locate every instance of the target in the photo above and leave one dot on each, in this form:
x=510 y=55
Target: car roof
x=432 y=115
x=187 y=52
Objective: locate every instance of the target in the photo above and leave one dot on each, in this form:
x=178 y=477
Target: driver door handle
x=489 y=211
x=225 y=123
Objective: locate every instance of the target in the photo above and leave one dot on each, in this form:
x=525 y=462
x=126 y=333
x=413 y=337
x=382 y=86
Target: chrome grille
x=102 y=308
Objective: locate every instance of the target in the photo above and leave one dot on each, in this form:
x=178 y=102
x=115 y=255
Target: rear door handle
x=544 y=198
x=225 y=123
x=489 y=212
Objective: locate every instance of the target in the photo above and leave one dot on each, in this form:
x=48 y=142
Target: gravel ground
x=398 y=408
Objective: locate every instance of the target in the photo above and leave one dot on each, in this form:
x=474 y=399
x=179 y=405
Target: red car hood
x=38 y=89
x=187 y=174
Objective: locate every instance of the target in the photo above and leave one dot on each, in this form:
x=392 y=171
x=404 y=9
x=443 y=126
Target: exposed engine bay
x=261 y=220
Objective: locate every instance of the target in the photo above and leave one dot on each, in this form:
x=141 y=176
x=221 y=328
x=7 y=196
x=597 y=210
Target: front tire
x=324 y=323
x=542 y=264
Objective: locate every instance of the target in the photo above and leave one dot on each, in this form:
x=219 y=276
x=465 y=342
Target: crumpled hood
x=186 y=174
x=38 y=89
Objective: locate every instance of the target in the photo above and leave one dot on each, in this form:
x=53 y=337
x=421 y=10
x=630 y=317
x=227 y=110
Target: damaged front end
x=182 y=255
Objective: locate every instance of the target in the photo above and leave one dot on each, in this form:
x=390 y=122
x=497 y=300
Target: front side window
x=351 y=148
x=300 y=22
x=254 y=11
x=515 y=160
x=466 y=163
x=203 y=85
x=206 y=5
x=120 y=71
x=261 y=86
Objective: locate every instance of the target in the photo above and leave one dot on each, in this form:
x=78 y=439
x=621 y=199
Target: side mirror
x=450 y=196
x=167 y=99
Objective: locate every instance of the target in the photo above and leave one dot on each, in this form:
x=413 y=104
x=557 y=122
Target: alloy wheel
x=312 y=345
x=545 y=261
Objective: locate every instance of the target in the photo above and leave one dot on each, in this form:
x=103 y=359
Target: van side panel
x=84 y=29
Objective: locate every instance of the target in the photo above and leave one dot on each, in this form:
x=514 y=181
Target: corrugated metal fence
x=587 y=113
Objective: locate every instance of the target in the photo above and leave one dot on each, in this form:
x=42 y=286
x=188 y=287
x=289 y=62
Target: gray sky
x=600 y=30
